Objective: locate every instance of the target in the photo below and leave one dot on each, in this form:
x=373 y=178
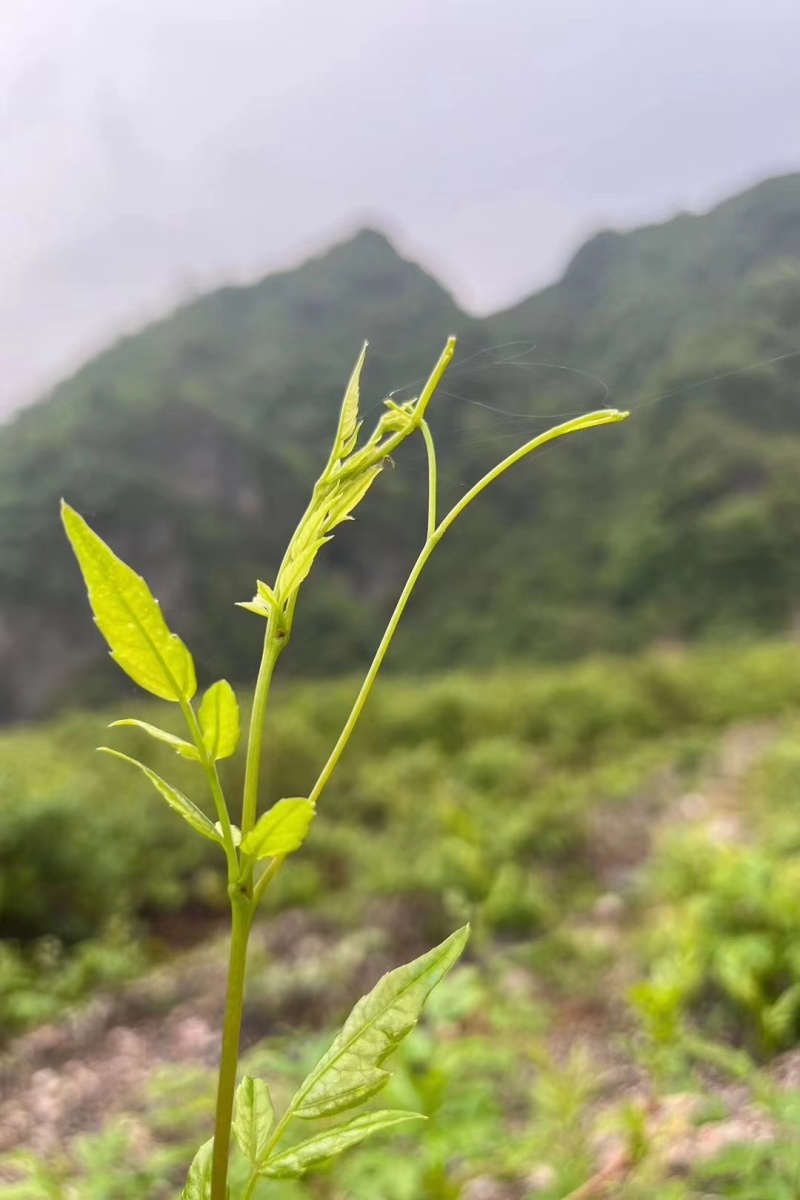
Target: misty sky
x=153 y=147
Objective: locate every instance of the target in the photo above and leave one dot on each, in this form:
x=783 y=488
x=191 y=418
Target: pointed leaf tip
x=184 y=748
x=175 y=799
x=351 y=1070
x=129 y=617
x=291 y=1163
x=348 y=416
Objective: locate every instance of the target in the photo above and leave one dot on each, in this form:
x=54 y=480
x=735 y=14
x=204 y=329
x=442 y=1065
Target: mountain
x=192 y=446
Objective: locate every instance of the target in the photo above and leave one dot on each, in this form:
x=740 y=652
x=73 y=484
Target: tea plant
x=351 y=1071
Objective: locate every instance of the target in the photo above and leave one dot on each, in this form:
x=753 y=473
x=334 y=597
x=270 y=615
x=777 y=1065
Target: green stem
x=273 y=644
x=603 y=416
x=431 y=452
x=266 y=878
x=435 y=377
x=588 y=421
x=275 y=1137
x=241 y=918
x=392 y=442
x=210 y=769
x=375 y=666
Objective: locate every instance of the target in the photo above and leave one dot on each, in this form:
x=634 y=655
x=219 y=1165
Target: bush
x=477 y=794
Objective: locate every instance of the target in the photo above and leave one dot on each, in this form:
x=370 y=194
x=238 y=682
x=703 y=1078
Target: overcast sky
x=151 y=147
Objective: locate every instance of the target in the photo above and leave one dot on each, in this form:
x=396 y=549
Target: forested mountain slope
x=192 y=445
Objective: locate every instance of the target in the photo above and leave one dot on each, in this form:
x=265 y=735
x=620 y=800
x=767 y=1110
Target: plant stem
x=275 y=1137
x=435 y=377
x=266 y=879
x=242 y=908
x=375 y=666
x=273 y=644
x=431 y=452
x=603 y=416
x=431 y=384
x=241 y=918
x=212 y=775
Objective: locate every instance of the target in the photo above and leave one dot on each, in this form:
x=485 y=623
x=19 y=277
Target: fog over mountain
x=151 y=148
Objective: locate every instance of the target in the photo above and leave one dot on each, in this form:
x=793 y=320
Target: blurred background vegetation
x=623 y=835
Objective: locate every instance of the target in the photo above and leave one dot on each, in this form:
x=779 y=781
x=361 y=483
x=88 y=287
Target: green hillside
x=193 y=444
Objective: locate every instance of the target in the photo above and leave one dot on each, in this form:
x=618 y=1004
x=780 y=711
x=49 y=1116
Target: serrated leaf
x=348 y=416
x=297 y=1159
x=129 y=617
x=350 y=496
x=198 y=1181
x=175 y=799
x=311 y=526
x=280 y=830
x=349 y=444
x=350 y=1071
x=185 y=749
x=296 y=571
x=253 y=1116
x=219 y=720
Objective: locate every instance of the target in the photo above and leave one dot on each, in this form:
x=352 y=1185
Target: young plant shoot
x=352 y=1071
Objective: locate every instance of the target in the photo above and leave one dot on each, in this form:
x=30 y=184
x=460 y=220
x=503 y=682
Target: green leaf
x=175 y=799
x=198 y=1181
x=254 y=606
x=297 y=1159
x=236 y=833
x=264 y=604
x=280 y=830
x=298 y=568
x=351 y=1071
x=253 y=1116
x=350 y=495
x=128 y=616
x=347 y=431
x=219 y=720
x=265 y=593
x=185 y=749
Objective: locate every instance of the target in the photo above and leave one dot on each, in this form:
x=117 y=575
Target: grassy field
x=623 y=836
